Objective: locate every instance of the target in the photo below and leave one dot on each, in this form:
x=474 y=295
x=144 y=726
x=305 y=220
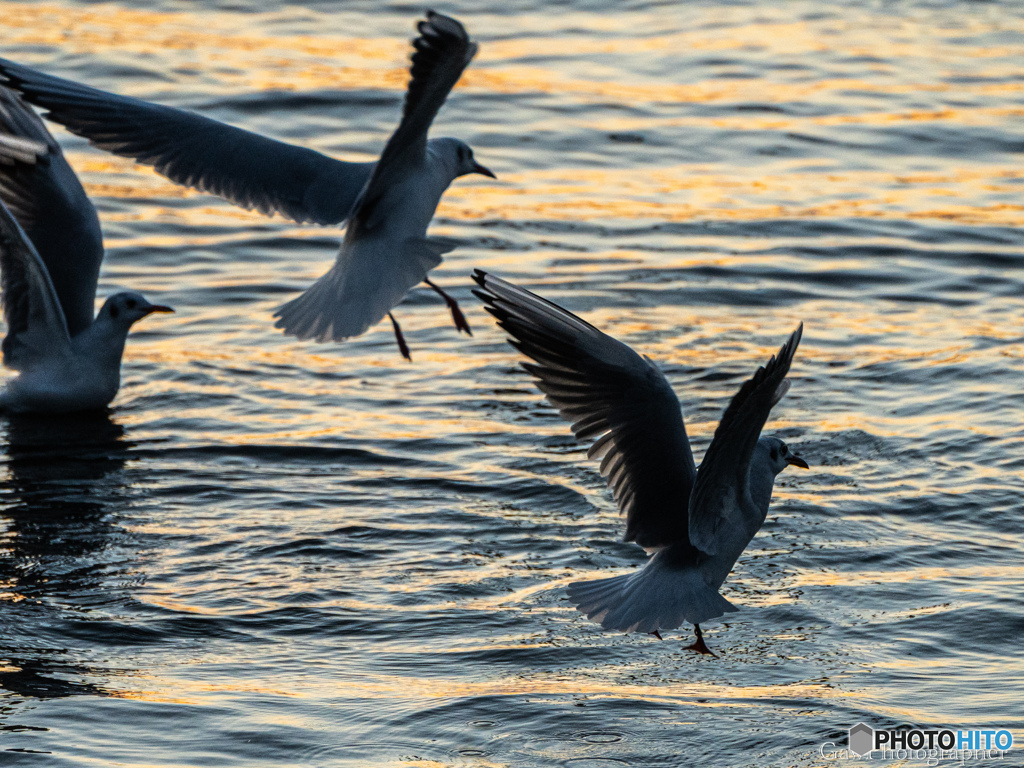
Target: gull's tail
x=359 y=290
x=661 y=595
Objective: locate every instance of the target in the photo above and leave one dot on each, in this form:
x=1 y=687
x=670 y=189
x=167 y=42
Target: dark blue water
x=275 y=553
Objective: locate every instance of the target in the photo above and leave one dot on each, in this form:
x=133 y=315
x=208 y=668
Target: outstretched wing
x=249 y=170
x=35 y=322
x=42 y=192
x=442 y=52
x=608 y=392
x=723 y=476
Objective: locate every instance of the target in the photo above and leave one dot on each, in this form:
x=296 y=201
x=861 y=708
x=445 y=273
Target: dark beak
x=796 y=461
x=157 y=308
x=477 y=168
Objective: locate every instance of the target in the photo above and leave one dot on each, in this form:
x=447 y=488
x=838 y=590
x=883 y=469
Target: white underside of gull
x=664 y=593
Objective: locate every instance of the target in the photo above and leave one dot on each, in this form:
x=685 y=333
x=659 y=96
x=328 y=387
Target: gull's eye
x=130 y=304
x=785 y=450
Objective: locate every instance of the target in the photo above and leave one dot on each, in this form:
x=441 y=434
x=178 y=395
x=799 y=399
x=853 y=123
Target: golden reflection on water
x=696 y=694
x=966 y=575
x=78 y=29
x=127 y=30
x=685 y=192
x=958 y=191
x=939 y=344
x=598 y=195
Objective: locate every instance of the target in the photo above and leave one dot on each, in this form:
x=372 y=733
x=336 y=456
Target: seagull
x=50 y=255
x=387 y=205
x=696 y=522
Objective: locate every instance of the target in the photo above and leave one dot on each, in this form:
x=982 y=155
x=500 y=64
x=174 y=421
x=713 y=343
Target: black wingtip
x=778 y=366
x=788 y=349
x=6 y=78
x=491 y=308
x=11 y=78
x=489 y=298
x=438 y=22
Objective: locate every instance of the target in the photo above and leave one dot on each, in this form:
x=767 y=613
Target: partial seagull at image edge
x=388 y=204
x=696 y=522
x=51 y=250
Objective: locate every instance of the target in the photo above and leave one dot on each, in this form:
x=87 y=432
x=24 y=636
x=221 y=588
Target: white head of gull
x=697 y=522
x=50 y=255
x=387 y=205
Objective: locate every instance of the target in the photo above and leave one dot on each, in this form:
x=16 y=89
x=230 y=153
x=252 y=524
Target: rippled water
x=276 y=553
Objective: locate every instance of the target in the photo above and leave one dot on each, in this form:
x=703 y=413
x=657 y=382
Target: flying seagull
x=50 y=255
x=696 y=522
x=387 y=205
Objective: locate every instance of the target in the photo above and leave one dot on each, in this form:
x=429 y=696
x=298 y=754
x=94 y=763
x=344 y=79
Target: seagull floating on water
x=50 y=255
x=387 y=205
x=696 y=522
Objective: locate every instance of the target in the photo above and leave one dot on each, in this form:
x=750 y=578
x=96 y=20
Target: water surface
x=277 y=553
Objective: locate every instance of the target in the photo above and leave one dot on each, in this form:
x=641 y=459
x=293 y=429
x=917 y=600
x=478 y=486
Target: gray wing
x=608 y=392
x=35 y=322
x=442 y=52
x=38 y=186
x=723 y=476
x=247 y=169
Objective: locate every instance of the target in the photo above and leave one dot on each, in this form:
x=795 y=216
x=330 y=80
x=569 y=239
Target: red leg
x=453 y=305
x=402 y=346
x=698 y=645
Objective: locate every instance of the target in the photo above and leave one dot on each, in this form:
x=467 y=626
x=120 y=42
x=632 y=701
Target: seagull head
x=779 y=455
x=460 y=157
x=125 y=309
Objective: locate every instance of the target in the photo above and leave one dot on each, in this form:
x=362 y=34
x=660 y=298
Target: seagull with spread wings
x=387 y=205
x=697 y=522
x=51 y=250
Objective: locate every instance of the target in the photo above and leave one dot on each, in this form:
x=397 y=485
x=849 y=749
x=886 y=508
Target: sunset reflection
x=322 y=554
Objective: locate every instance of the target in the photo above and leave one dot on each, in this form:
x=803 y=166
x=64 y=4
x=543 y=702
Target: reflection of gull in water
x=59 y=527
x=50 y=255
x=387 y=205
x=697 y=522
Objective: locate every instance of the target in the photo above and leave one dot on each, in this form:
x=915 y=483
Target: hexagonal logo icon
x=861 y=739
